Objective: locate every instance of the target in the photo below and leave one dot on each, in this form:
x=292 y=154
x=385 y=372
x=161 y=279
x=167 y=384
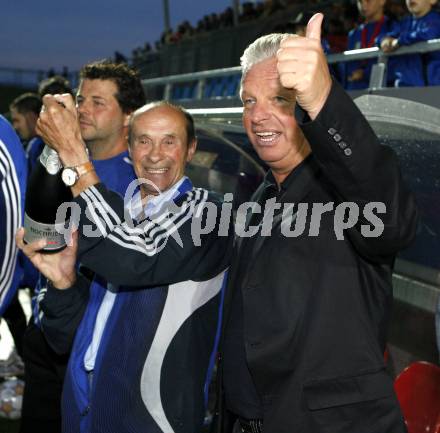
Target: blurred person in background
x=356 y=74
x=421 y=25
x=25 y=110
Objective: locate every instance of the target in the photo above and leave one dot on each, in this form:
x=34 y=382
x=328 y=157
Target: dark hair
x=130 y=94
x=27 y=102
x=189 y=121
x=54 y=85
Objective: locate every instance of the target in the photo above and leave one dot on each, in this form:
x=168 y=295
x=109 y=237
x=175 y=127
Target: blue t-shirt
x=13 y=177
x=416 y=69
x=355 y=42
x=115 y=173
x=33 y=151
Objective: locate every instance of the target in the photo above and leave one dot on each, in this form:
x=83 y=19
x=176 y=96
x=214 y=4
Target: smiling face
x=420 y=8
x=159 y=147
x=268 y=118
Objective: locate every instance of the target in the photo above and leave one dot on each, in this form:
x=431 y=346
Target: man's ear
x=127 y=119
x=191 y=150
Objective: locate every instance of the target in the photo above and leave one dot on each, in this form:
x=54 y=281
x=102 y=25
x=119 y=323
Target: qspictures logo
x=291 y=219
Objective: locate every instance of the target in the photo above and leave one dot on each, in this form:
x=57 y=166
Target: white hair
x=261 y=49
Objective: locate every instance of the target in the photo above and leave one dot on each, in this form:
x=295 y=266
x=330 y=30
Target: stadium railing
x=223 y=83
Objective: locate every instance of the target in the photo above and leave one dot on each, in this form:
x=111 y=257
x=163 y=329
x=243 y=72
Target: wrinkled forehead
x=159 y=120
x=262 y=73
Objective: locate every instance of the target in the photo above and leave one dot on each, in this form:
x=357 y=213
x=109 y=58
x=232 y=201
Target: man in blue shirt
x=422 y=25
x=106 y=97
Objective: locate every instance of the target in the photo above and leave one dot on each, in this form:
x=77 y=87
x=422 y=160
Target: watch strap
x=84 y=168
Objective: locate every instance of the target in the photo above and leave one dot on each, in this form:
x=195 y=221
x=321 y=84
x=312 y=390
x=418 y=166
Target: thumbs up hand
x=302 y=66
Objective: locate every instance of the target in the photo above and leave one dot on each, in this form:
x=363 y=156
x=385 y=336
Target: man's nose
x=259 y=113
x=83 y=107
x=155 y=154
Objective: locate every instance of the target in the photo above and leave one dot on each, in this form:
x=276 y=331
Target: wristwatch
x=70 y=175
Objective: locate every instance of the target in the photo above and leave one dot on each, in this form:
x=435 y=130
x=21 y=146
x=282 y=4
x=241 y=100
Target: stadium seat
x=418 y=391
x=176 y=92
x=232 y=85
x=209 y=87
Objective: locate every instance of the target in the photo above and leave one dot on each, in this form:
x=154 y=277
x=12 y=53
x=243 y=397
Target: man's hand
x=59 y=128
x=356 y=75
x=59 y=268
x=389 y=44
x=302 y=66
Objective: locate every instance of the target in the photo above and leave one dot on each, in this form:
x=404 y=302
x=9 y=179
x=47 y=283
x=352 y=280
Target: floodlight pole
x=166 y=15
x=236 y=9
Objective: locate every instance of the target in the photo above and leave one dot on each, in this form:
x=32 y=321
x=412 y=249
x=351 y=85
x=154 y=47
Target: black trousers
x=16 y=321
x=44 y=376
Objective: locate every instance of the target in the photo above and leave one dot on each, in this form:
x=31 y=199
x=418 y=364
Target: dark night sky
x=49 y=33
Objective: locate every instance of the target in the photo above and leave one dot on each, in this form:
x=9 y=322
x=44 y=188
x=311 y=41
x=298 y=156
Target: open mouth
x=267 y=137
x=156 y=170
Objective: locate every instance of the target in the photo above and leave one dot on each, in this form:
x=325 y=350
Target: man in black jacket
x=309 y=296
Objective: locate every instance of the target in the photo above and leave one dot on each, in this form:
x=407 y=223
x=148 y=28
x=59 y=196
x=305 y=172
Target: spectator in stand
x=336 y=36
x=259 y=10
x=24 y=114
x=227 y=18
x=350 y=18
x=248 y=12
x=299 y=26
x=272 y=6
x=422 y=25
x=184 y=31
x=147 y=48
x=376 y=24
x=136 y=57
x=120 y=58
x=65 y=72
x=396 y=9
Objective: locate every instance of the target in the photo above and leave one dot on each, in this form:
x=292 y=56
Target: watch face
x=69 y=176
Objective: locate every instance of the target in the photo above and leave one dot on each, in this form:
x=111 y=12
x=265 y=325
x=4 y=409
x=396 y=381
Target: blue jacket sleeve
x=13 y=172
x=429 y=28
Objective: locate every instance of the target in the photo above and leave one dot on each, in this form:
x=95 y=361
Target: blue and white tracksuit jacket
x=13 y=176
x=158 y=344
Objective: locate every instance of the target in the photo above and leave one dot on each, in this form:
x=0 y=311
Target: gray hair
x=261 y=49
